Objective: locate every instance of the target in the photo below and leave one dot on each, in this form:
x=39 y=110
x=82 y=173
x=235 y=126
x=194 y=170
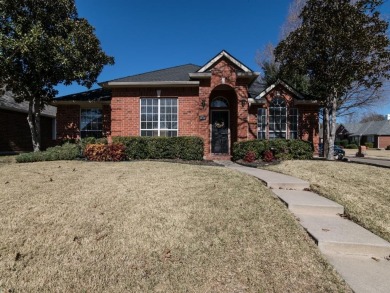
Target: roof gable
x=226 y=55
x=285 y=85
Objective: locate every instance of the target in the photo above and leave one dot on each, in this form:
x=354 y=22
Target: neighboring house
x=15 y=135
x=376 y=132
x=223 y=102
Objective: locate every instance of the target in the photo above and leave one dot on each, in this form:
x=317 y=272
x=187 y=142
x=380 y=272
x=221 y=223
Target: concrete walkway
x=360 y=257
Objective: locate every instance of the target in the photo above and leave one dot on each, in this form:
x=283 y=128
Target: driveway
x=370 y=161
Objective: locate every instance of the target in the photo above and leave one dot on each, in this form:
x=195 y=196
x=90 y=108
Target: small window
x=220 y=102
x=159 y=117
x=91 y=124
x=261 y=123
x=293 y=119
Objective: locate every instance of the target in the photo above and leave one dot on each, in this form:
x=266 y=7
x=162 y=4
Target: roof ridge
x=152 y=71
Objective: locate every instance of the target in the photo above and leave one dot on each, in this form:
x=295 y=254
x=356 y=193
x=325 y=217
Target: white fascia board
x=152 y=84
x=306 y=102
x=272 y=86
x=76 y=102
x=228 y=56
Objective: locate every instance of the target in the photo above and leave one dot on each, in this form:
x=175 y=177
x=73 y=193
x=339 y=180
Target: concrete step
x=363 y=274
x=273 y=180
x=335 y=234
x=306 y=202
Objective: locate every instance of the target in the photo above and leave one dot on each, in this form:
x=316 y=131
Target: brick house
x=223 y=102
x=15 y=135
x=375 y=132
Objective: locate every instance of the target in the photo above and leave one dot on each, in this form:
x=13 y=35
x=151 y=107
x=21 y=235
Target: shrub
x=388 y=148
x=240 y=149
x=344 y=143
x=268 y=156
x=182 y=147
x=250 y=157
x=351 y=146
x=300 y=149
x=369 y=145
x=67 y=151
x=105 y=152
x=281 y=148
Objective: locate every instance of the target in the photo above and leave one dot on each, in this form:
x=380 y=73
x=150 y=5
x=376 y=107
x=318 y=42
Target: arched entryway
x=223 y=113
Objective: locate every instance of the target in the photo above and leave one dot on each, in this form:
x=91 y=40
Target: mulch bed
x=258 y=163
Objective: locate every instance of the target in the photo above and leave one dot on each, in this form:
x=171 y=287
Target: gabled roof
x=172 y=75
x=7 y=102
x=221 y=55
x=284 y=84
x=368 y=128
x=98 y=95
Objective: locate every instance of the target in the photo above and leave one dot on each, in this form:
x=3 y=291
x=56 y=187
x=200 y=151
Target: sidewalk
x=357 y=254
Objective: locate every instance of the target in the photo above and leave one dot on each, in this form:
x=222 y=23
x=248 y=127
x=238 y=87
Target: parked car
x=338 y=152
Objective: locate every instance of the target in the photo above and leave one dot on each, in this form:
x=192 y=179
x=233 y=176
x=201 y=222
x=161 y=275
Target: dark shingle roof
x=257 y=87
x=177 y=73
x=7 y=102
x=368 y=128
x=98 y=95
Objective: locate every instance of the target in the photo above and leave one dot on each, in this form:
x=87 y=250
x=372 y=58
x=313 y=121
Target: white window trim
x=158 y=111
x=90 y=108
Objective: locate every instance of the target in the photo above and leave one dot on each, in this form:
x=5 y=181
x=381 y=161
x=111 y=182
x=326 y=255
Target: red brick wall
x=106 y=110
x=125 y=106
x=384 y=141
x=15 y=135
x=68 y=121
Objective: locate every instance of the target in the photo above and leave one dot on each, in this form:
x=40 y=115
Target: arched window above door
x=220 y=102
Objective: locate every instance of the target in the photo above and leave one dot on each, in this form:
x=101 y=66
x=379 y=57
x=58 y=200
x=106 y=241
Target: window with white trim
x=277 y=118
x=159 y=117
x=279 y=122
x=261 y=123
x=293 y=120
x=91 y=123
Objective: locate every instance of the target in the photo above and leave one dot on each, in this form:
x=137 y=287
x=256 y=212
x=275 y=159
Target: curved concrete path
x=360 y=257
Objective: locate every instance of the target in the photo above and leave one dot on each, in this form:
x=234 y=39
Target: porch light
x=243 y=102
x=203 y=103
x=158 y=93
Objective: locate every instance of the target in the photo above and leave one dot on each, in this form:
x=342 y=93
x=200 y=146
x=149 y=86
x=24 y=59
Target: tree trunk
x=332 y=130
x=34 y=122
x=325 y=126
x=330 y=115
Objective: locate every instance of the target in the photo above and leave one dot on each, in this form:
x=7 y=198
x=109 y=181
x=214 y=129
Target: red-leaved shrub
x=250 y=157
x=268 y=156
x=104 y=152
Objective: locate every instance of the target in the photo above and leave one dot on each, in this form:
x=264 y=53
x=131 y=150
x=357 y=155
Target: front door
x=220 y=132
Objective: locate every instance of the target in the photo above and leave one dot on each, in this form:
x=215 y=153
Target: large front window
x=159 y=117
x=277 y=118
x=91 y=123
x=278 y=121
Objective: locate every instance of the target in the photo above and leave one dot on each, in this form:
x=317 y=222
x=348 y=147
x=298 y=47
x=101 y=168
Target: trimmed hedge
x=67 y=151
x=369 y=145
x=182 y=147
x=282 y=149
x=351 y=146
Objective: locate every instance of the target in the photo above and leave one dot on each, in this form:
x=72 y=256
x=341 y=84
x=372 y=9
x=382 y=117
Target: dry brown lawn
x=363 y=190
x=150 y=227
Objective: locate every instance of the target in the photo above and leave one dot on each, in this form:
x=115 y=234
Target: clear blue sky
x=149 y=35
